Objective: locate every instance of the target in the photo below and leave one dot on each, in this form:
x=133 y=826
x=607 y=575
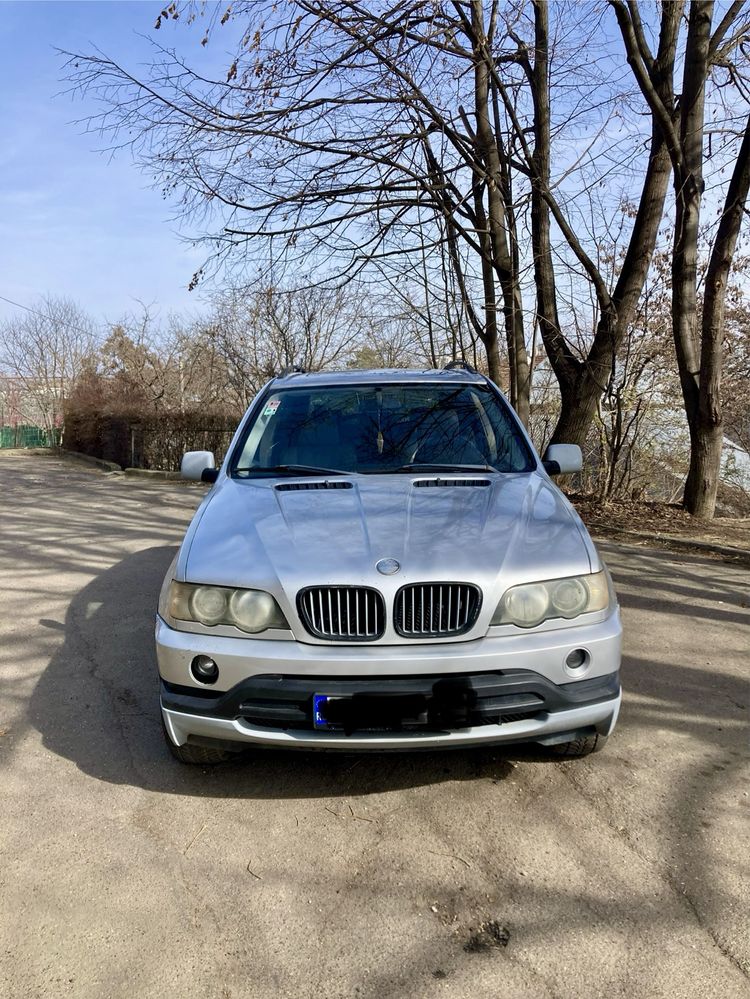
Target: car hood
x=517 y=528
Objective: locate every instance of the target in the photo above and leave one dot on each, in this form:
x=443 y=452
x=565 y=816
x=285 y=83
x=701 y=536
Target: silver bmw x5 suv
x=383 y=562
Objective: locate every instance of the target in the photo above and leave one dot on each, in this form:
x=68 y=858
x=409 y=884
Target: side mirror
x=562 y=459
x=199 y=466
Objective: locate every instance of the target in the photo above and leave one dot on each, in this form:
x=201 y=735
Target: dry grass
x=660 y=522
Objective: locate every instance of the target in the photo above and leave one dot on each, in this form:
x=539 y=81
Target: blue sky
x=72 y=222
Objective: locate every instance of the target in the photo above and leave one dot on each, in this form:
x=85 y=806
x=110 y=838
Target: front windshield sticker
x=272 y=406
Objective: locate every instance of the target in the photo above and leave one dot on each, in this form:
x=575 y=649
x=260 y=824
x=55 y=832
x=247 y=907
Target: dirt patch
x=486 y=936
x=661 y=523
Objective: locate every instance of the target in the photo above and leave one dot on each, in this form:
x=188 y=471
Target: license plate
x=320 y=713
x=368 y=713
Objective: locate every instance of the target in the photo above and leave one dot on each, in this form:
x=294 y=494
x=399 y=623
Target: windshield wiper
x=290 y=470
x=429 y=466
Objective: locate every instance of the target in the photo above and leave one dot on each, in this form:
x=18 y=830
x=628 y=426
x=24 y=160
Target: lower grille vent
x=342 y=613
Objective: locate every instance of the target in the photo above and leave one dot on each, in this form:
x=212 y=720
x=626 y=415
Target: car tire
x=196 y=755
x=582 y=746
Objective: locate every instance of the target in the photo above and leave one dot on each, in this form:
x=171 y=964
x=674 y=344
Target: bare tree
x=44 y=350
x=388 y=344
x=340 y=132
x=698 y=347
x=637 y=408
x=138 y=357
x=736 y=368
x=260 y=332
x=584 y=374
x=346 y=136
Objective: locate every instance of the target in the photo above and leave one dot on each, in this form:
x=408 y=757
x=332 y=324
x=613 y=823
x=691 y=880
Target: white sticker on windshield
x=272 y=406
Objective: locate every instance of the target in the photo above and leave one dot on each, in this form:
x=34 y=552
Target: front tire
x=196 y=755
x=583 y=746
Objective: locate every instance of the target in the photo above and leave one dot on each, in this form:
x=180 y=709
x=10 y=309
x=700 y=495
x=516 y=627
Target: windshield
x=381 y=429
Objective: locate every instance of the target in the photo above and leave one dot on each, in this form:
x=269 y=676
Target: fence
x=25 y=435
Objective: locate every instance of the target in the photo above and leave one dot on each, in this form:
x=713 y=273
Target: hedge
x=156 y=442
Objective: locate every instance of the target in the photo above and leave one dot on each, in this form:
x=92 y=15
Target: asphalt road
x=471 y=874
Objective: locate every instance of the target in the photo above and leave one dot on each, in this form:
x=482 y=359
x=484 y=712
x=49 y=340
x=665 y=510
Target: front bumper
x=567 y=724
x=517 y=688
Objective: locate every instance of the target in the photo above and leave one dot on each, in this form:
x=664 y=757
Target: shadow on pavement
x=97 y=702
x=97 y=705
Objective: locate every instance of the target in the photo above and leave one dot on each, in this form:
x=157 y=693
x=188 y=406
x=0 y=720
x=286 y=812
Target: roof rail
x=460 y=363
x=292 y=369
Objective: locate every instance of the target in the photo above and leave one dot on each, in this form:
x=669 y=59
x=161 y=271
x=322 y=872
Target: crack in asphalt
x=92 y=668
x=664 y=876
x=741 y=965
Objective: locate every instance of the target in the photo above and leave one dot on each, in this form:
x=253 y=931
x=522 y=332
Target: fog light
x=577 y=658
x=204 y=669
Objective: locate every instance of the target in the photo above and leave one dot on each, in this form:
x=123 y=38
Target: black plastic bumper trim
x=452 y=701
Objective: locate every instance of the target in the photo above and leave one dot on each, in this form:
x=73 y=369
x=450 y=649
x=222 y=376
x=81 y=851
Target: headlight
x=531 y=603
x=208 y=604
x=526 y=605
x=249 y=610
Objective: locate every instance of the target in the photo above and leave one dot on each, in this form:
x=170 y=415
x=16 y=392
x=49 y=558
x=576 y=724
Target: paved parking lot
x=468 y=874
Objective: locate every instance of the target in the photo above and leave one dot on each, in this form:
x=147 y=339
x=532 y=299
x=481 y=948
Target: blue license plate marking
x=320 y=714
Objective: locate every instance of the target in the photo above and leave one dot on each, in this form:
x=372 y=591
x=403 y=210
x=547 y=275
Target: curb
x=152 y=473
x=87 y=459
x=47 y=452
x=668 y=540
x=111 y=466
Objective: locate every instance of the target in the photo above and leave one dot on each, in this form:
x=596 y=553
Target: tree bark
x=699 y=357
x=497 y=231
x=699 y=353
x=566 y=366
x=494 y=364
x=688 y=182
x=707 y=439
x=582 y=382
x=521 y=365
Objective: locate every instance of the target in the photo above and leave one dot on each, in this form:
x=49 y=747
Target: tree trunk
x=494 y=365
x=518 y=356
x=580 y=387
x=497 y=220
x=707 y=437
x=583 y=382
x=579 y=399
x=520 y=367
x=688 y=180
x=684 y=308
x=699 y=358
x=701 y=487
x=489 y=334
x=566 y=366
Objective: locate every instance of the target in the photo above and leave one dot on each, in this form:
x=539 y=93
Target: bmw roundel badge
x=387 y=566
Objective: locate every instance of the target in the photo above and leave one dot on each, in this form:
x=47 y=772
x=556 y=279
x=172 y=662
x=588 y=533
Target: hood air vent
x=450 y=483
x=287 y=487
